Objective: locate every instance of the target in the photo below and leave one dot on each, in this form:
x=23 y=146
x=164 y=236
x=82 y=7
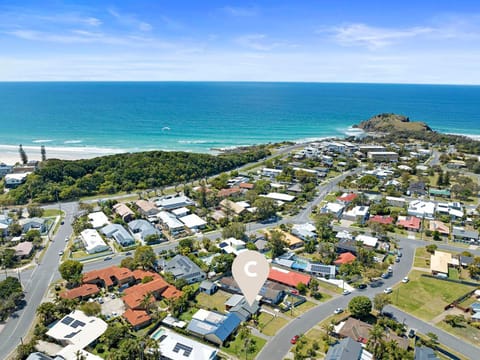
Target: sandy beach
x=9 y=153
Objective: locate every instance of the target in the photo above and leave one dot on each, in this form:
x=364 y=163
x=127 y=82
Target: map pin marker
x=250 y=270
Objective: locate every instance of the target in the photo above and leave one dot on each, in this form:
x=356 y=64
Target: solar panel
x=187 y=350
x=67 y=320
x=77 y=323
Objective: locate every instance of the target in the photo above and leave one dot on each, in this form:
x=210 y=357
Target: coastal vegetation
x=57 y=180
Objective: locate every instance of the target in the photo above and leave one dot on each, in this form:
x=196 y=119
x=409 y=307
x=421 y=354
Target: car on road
x=388 y=314
x=67 y=238
x=60 y=253
x=405 y=280
x=386 y=275
x=390 y=269
x=294 y=339
x=338 y=311
x=346 y=292
x=397 y=259
x=128 y=253
x=388 y=290
x=100 y=300
x=107 y=258
x=399 y=254
x=63 y=222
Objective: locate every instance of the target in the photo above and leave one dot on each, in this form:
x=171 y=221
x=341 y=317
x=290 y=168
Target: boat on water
x=166 y=128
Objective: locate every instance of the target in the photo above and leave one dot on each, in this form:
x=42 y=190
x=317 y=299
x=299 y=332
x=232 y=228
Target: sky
x=422 y=41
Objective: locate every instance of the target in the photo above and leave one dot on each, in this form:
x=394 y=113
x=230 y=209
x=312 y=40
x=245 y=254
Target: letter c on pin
x=247 y=267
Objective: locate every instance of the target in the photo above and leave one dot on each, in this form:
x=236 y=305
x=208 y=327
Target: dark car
x=361 y=286
x=107 y=258
x=63 y=222
x=388 y=314
x=411 y=333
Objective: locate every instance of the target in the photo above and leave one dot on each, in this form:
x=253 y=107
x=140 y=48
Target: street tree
x=380 y=301
x=276 y=242
x=235 y=230
x=145 y=257
x=360 y=306
x=71 y=271
x=266 y=208
x=43 y=153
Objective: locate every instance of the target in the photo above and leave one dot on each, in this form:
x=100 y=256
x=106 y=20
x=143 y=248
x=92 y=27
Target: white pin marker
x=250 y=270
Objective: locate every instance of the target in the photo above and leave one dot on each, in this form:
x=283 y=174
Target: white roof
x=93 y=241
x=78 y=329
x=404 y=167
x=175 y=346
x=306 y=226
x=280 y=196
x=192 y=221
x=367 y=240
x=358 y=211
x=180 y=211
x=170 y=220
x=270 y=170
x=71 y=352
x=343 y=234
x=393 y=198
x=98 y=219
x=244 y=204
x=421 y=208
x=232 y=246
x=334 y=207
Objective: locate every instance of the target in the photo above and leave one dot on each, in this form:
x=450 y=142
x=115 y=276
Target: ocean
x=109 y=117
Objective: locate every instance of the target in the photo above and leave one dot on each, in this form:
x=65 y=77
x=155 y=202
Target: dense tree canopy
x=66 y=180
x=360 y=306
x=71 y=271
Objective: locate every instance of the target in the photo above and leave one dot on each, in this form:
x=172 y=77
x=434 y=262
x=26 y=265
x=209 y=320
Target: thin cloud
x=257 y=42
x=373 y=37
x=130 y=20
x=241 y=11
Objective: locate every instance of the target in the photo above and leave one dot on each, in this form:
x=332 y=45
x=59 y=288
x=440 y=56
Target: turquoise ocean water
x=198 y=116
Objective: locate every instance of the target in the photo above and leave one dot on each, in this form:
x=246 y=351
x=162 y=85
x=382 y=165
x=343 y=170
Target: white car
x=67 y=238
x=388 y=290
x=405 y=280
x=60 y=253
x=346 y=292
x=338 y=311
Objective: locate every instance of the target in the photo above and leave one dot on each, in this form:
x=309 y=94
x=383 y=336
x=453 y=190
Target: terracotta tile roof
x=134 y=299
x=347 y=197
x=121 y=274
x=140 y=274
x=247 y=186
x=410 y=222
x=81 y=291
x=158 y=287
x=345 y=258
x=229 y=192
x=172 y=292
x=289 y=278
x=386 y=220
x=136 y=317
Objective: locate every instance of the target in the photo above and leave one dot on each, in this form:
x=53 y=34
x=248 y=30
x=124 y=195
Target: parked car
x=346 y=292
x=399 y=254
x=388 y=314
x=294 y=339
x=63 y=222
x=100 y=300
x=386 y=275
x=60 y=253
x=338 y=311
x=397 y=259
x=294 y=292
x=113 y=296
x=405 y=280
x=128 y=253
x=388 y=290
x=411 y=333
x=67 y=238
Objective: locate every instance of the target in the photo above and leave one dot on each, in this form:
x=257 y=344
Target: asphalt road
x=36 y=283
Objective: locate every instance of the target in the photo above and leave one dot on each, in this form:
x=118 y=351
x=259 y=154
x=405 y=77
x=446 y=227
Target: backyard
x=237 y=346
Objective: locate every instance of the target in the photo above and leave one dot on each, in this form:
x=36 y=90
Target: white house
x=12 y=180
x=358 y=214
x=193 y=222
x=170 y=221
x=92 y=241
x=279 y=196
x=304 y=231
x=421 y=209
x=171 y=203
x=271 y=172
x=232 y=246
x=369 y=241
x=98 y=219
x=333 y=208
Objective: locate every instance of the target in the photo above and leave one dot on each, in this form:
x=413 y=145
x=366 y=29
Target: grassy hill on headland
x=392 y=122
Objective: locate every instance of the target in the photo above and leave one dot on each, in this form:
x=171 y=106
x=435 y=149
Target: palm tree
x=47 y=312
x=146 y=301
x=376 y=340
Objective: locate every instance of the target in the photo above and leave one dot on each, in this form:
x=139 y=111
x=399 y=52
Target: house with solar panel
x=181 y=267
x=213 y=326
x=75 y=332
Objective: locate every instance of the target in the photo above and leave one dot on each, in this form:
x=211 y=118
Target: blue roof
x=228 y=326
x=222 y=330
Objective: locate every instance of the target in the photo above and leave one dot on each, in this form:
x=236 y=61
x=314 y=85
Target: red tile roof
x=121 y=274
x=385 y=220
x=140 y=274
x=289 y=278
x=345 y=258
x=81 y=291
x=410 y=222
x=228 y=192
x=172 y=292
x=136 y=317
x=158 y=287
x=247 y=186
x=347 y=197
x=134 y=299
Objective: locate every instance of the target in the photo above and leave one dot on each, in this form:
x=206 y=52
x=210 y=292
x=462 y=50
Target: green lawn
x=453 y=274
x=426 y=297
x=468 y=333
x=213 y=302
x=236 y=347
x=52 y=212
x=300 y=309
x=270 y=325
x=308 y=342
x=422 y=258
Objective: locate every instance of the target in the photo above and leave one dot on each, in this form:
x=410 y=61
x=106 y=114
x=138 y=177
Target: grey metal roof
x=425 y=353
x=181 y=266
x=346 y=349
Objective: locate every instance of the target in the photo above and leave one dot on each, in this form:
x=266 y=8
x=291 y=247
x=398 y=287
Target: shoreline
x=9 y=153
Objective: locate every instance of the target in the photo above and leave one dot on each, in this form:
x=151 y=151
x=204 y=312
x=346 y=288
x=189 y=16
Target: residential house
x=345 y=258
x=287 y=277
x=381 y=219
x=421 y=209
x=124 y=212
x=382 y=156
x=182 y=267
x=317 y=269
x=417 y=188
x=13 y=180
x=462 y=234
x=261 y=245
x=230 y=207
x=109 y=277
x=365 y=149
x=81 y=292
x=5 y=169
x=441 y=227
x=171 y=222
x=174 y=202
x=234 y=191
x=76 y=331
x=396 y=201
x=119 y=234
x=439 y=192
x=157 y=288
x=98 y=219
x=142 y=228
x=213 y=326
x=93 y=242
x=440 y=262
x=193 y=222
x=137 y=318
x=238 y=305
x=410 y=223
x=333 y=208
x=174 y=346
x=208 y=287
x=232 y=246
x=272 y=173
x=358 y=214
x=33 y=224
x=180 y=212
x=367 y=241
x=147 y=208
x=304 y=231
x=425 y=353
x=346 y=198
x=279 y=197
x=347 y=349
x=292 y=241
x=23 y=250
